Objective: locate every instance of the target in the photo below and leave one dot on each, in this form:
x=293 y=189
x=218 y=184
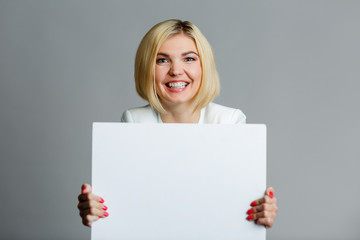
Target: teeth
x=177 y=84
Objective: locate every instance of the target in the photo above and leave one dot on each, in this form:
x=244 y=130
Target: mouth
x=177 y=85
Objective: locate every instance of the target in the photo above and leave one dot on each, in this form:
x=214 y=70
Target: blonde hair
x=146 y=59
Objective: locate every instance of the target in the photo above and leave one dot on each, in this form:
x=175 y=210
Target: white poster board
x=178 y=181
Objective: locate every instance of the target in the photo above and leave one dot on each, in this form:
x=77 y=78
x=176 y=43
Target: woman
x=175 y=71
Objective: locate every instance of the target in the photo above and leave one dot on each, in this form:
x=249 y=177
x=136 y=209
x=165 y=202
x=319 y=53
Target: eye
x=189 y=59
x=161 y=60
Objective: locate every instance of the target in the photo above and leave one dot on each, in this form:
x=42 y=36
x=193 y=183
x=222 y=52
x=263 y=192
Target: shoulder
x=145 y=114
x=215 y=113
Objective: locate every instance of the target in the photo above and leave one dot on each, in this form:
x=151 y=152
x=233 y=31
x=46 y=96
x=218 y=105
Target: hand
x=264 y=209
x=91 y=206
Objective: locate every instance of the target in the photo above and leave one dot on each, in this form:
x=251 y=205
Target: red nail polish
x=106 y=214
x=253 y=204
x=250 y=217
x=101 y=200
x=83 y=189
x=99 y=216
x=250 y=211
x=271 y=194
x=104 y=207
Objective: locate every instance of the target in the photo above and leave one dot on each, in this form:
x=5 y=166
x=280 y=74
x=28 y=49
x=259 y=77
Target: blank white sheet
x=178 y=181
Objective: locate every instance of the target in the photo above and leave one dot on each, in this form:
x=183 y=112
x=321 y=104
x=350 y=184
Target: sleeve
x=126 y=117
x=239 y=117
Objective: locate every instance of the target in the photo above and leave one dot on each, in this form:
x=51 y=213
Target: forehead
x=178 y=43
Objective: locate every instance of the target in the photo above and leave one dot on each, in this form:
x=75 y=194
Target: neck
x=180 y=114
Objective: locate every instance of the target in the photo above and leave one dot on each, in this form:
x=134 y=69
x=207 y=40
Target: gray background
x=293 y=65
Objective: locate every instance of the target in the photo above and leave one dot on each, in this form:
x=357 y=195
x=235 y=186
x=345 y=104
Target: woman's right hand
x=91 y=206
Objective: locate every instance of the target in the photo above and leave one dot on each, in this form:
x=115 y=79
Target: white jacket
x=213 y=113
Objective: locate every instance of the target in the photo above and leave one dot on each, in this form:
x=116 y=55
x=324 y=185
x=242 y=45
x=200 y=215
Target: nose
x=176 y=68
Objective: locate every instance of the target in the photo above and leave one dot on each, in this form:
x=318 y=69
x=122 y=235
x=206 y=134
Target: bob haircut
x=145 y=61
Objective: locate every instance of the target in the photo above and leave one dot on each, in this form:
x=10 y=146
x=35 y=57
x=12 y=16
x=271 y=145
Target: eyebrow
x=183 y=54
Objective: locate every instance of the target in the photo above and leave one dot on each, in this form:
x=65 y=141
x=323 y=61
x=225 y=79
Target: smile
x=177 y=84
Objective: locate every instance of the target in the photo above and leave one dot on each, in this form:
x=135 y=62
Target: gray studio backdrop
x=293 y=65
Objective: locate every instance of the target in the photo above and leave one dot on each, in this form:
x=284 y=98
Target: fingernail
x=99 y=216
x=253 y=204
x=271 y=194
x=83 y=190
x=250 y=217
x=250 y=211
x=104 y=207
x=106 y=214
x=101 y=200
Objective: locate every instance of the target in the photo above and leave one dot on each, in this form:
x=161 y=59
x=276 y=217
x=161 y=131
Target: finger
x=89 y=219
x=262 y=207
x=250 y=217
x=265 y=199
x=264 y=214
x=99 y=213
x=267 y=222
x=262 y=210
x=90 y=196
x=90 y=204
x=256 y=216
x=86 y=188
x=270 y=192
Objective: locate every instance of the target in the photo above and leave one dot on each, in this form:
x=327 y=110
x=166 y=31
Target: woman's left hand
x=264 y=209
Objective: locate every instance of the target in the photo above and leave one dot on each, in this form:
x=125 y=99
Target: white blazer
x=213 y=113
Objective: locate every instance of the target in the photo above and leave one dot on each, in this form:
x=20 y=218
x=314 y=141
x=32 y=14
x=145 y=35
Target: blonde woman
x=175 y=71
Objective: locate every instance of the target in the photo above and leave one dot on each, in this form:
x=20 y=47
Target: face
x=177 y=71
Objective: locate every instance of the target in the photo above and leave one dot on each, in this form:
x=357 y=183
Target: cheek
x=159 y=75
x=196 y=73
x=157 y=80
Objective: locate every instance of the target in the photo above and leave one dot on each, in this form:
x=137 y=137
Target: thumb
x=270 y=192
x=86 y=188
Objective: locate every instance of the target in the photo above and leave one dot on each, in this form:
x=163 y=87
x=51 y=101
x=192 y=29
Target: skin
x=264 y=209
x=90 y=207
x=178 y=61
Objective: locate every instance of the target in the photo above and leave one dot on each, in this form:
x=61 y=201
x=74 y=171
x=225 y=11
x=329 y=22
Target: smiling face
x=177 y=71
